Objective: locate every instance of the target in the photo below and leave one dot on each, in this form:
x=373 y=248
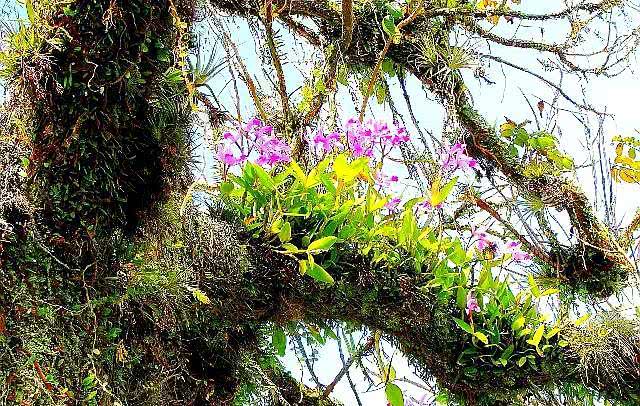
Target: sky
x=618 y=95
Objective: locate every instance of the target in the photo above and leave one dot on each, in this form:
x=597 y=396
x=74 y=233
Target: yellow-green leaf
x=518 y=323
x=318 y=273
x=322 y=244
x=537 y=336
x=285 y=232
x=535 y=290
x=582 y=320
x=482 y=337
x=394 y=394
x=200 y=296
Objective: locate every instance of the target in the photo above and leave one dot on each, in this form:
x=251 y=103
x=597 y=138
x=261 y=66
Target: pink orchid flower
x=392 y=205
x=227 y=156
x=327 y=142
x=384 y=181
x=512 y=247
x=472 y=304
x=456 y=158
x=483 y=240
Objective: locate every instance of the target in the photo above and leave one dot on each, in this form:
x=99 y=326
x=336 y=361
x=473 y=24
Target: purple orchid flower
x=483 y=240
x=385 y=181
x=327 y=142
x=273 y=151
x=392 y=205
x=231 y=137
x=472 y=304
x=251 y=124
x=513 y=248
x=227 y=157
x=456 y=158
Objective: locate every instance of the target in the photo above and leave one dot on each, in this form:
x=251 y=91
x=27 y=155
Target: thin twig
x=358 y=354
x=383 y=54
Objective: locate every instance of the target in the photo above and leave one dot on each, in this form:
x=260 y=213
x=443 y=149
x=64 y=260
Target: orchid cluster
x=372 y=139
x=255 y=141
x=362 y=139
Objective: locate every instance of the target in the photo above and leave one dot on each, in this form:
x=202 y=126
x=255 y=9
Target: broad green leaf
x=521 y=361
x=552 y=333
x=298 y=173
x=291 y=249
x=394 y=11
x=461 y=298
x=537 y=336
x=318 y=273
x=394 y=394
x=265 y=179
x=389 y=25
x=518 y=323
x=303 y=266
x=463 y=325
x=285 y=232
x=482 y=337
x=322 y=244
x=439 y=195
x=226 y=188
x=506 y=354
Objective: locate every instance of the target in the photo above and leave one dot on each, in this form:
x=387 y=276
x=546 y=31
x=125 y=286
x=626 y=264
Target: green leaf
x=389 y=25
x=303 y=266
x=482 y=337
x=394 y=11
x=394 y=394
x=441 y=195
x=518 y=323
x=69 y=12
x=279 y=341
x=285 y=232
x=552 y=333
x=318 y=273
x=322 y=244
x=550 y=291
x=545 y=142
x=535 y=290
x=582 y=320
x=387 y=66
x=201 y=296
x=388 y=373
x=291 y=249
x=30 y=11
x=521 y=361
x=506 y=354
x=265 y=179
x=537 y=336
x=463 y=325
x=461 y=298
x=226 y=188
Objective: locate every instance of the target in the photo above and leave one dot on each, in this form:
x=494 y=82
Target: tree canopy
x=330 y=211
